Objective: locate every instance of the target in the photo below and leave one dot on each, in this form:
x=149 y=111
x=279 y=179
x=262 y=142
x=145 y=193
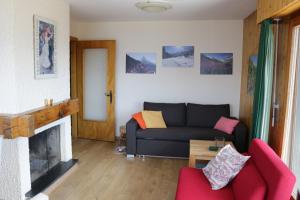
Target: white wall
x=170 y=84
x=31 y=93
x=7 y=71
x=18 y=88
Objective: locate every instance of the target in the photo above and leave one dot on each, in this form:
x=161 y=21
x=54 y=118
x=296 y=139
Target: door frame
x=73 y=82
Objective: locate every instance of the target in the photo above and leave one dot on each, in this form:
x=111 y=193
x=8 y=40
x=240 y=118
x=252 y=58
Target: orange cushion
x=140 y=120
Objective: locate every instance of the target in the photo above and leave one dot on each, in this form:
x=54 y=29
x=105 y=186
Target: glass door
x=96 y=85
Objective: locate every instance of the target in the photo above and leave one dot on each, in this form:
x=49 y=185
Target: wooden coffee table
x=199 y=151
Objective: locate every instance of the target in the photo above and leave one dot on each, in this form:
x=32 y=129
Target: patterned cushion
x=224 y=167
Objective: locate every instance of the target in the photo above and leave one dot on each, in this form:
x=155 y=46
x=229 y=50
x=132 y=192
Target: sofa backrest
x=205 y=116
x=174 y=114
x=277 y=176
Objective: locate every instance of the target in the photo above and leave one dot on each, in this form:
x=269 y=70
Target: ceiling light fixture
x=154 y=6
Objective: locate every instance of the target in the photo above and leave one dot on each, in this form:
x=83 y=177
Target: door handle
x=109 y=94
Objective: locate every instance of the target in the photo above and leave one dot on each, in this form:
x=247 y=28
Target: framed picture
x=178 y=56
x=141 y=63
x=216 y=63
x=251 y=74
x=44 y=48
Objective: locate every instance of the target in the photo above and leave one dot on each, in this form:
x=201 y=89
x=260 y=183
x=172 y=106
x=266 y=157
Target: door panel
x=96 y=88
x=95 y=70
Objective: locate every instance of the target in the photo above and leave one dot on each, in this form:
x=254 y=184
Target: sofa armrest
x=131 y=128
x=241 y=137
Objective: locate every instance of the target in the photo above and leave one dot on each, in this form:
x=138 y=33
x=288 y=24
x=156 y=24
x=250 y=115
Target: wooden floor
x=104 y=175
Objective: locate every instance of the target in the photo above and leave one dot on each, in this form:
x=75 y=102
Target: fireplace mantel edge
x=24 y=124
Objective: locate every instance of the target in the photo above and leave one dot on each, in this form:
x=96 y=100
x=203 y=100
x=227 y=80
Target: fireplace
x=29 y=173
x=49 y=155
x=44 y=152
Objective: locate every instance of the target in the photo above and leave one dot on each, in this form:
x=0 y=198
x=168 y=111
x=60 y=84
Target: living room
x=147 y=99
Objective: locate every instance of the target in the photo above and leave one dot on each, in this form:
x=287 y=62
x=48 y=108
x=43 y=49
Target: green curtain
x=263 y=86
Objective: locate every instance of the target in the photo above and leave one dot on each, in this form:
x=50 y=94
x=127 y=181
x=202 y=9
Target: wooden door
x=96 y=89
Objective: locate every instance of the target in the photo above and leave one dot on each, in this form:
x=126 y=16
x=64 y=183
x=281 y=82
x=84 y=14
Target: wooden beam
x=24 y=124
x=276 y=8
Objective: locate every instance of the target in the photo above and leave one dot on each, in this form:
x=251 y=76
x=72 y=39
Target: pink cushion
x=249 y=185
x=226 y=125
x=277 y=176
x=193 y=185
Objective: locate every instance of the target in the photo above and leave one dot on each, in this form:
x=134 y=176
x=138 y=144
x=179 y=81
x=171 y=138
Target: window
x=291 y=146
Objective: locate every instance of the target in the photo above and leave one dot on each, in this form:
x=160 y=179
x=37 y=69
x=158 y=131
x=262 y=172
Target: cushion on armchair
x=224 y=167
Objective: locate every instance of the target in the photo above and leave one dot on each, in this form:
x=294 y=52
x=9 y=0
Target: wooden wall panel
x=272 y=8
x=250 y=47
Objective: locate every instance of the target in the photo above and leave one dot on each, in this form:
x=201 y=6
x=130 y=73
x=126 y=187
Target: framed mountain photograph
x=216 y=63
x=141 y=63
x=178 y=56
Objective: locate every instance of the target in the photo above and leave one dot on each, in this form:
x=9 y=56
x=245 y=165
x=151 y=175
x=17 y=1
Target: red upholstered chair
x=264 y=177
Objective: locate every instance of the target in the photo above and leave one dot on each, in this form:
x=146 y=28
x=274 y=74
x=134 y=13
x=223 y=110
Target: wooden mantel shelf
x=24 y=124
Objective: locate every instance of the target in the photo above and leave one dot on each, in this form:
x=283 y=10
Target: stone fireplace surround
x=15 y=161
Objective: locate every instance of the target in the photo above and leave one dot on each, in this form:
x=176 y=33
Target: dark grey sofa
x=184 y=122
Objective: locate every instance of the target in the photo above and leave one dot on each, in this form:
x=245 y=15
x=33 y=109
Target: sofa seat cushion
x=174 y=113
x=206 y=116
x=181 y=134
x=193 y=185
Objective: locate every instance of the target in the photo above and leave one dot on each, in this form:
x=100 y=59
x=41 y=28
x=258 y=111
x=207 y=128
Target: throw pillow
x=224 y=167
x=226 y=125
x=139 y=119
x=154 y=119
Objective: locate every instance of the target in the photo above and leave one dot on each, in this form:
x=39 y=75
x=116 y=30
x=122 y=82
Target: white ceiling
x=124 y=10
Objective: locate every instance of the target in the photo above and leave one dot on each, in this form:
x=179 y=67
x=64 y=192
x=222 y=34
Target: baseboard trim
x=168 y=157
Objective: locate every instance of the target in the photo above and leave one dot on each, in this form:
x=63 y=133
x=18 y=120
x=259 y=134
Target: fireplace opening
x=46 y=165
x=44 y=149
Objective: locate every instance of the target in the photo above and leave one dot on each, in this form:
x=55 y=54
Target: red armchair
x=264 y=177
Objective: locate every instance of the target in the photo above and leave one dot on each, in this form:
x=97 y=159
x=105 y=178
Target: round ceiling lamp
x=154 y=6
